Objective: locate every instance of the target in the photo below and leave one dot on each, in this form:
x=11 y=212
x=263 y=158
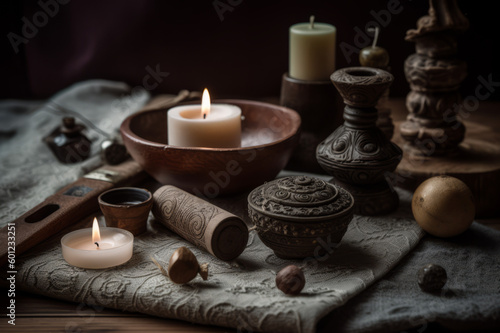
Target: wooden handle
x=67 y=206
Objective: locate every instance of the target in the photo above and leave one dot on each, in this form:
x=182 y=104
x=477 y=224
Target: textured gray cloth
x=470 y=299
x=239 y=294
x=29 y=172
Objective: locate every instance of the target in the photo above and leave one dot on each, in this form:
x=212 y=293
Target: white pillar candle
x=208 y=125
x=312 y=51
x=113 y=247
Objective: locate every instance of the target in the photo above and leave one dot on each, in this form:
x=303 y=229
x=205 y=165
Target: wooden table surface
x=41 y=314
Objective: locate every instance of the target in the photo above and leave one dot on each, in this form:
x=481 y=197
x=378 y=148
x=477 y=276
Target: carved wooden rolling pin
x=69 y=205
x=205 y=225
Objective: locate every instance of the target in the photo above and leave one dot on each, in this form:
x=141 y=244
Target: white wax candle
x=221 y=128
x=115 y=248
x=312 y=51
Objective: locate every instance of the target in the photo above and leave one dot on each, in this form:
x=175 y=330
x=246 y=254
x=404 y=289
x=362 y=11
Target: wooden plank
x=42 y=314
x=87 y=324
x=28 y=305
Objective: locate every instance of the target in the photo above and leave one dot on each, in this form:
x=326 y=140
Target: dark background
x=243 y=55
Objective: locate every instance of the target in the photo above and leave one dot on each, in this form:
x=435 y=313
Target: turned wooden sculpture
x=358 y=154
x=435 y=75
x=431 y=136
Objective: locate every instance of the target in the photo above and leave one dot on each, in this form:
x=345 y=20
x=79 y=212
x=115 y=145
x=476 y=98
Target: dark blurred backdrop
x=239 y=49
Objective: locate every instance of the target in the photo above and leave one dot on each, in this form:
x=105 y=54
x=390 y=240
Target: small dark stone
x=113 y=152
x=432 y=277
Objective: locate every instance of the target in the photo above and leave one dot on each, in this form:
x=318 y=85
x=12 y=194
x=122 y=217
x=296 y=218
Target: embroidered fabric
x=240 y=294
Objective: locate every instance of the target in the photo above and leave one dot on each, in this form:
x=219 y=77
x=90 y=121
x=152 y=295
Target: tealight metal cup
x=126 y=208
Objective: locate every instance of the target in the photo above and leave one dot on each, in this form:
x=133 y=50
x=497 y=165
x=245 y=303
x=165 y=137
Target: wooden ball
x=443 y=206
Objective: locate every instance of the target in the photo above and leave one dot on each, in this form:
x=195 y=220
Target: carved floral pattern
x=358 y=156
x=431 y=74
x=361 y=86
x=292 y=213
x=189 y=223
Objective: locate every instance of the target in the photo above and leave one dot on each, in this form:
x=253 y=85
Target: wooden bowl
x=269 y=135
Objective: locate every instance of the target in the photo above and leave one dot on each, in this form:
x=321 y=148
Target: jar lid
x=301 y=197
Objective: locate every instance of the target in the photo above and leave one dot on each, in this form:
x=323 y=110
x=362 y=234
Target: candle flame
x=205 y=104
x=96 y=235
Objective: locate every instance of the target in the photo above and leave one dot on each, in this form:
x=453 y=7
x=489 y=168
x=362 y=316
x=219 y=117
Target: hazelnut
x=432 y=277
x=290 y=280
x=183 y=266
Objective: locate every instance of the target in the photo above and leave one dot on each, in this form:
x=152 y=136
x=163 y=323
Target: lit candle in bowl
x=96 y=248
x=208 y=125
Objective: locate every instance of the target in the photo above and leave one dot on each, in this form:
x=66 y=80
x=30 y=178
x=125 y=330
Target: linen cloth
x=470 y=300
x=29 y=172
x=240 y=294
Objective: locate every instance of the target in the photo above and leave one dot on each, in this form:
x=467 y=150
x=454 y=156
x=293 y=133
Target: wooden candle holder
x=318 y=104
x=358 y=154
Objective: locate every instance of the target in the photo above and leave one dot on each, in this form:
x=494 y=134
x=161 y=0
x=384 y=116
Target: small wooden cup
x=127 y=208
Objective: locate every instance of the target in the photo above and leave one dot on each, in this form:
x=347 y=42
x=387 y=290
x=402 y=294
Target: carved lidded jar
x=300 y=216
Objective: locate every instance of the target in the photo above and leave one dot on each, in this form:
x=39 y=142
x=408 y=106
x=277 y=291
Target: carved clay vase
x=358 y=154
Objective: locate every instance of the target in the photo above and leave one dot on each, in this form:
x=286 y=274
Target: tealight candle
x=212 y=126
x=96 y=248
